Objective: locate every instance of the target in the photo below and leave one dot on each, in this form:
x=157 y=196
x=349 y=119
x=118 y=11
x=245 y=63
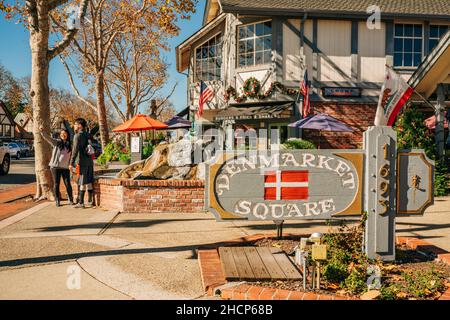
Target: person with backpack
x=59 y=163
x=82 y=152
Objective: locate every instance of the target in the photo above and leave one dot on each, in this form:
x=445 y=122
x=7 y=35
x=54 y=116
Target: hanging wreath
x=252 y=88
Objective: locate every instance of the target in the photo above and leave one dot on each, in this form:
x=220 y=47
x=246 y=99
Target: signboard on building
x=325 y=184
x=342 y=92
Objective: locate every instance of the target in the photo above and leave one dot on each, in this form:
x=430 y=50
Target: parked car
x=5 y=159
x=24 y=149
x=14 y=150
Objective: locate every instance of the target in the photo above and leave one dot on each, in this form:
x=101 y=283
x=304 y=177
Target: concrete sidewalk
x=136 y=256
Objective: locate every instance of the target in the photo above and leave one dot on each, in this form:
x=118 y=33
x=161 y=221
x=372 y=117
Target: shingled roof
x=438 y=8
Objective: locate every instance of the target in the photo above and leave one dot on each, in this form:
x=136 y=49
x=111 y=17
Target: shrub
x=113 y=152
x=335 y=272
x=440 y=178
x=147 y=150
x=355 y=282
x=295 y=143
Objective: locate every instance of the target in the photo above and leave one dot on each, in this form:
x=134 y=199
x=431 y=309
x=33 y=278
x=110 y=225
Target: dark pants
x=65 y=175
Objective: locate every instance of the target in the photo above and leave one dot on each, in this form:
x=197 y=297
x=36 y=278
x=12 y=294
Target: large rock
x=167 y=162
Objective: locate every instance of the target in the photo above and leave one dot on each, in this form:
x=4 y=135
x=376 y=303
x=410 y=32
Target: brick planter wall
x=356 y=116
x=149 y=196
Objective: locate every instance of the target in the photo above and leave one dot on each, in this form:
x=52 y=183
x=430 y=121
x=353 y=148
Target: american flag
x=304 y=91
x=286 y=185
x=206 y=94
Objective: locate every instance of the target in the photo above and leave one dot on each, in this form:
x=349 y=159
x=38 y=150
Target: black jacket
x=80 y=143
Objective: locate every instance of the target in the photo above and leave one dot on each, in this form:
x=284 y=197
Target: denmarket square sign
x=325 y=184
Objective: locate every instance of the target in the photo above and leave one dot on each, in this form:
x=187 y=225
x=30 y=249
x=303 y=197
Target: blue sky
x=15 y=56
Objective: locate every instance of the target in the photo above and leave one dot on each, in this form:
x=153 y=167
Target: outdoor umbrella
x=177 y=122
x=140 y=122
x=321 y=122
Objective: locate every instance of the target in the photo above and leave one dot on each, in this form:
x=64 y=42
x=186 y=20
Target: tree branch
x=63 y=44
x=170 y=94
x=53 y=4
x=116 y=107
x=33 y=14
x=72 y=83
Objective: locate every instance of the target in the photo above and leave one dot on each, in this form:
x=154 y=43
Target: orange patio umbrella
x=140 y=122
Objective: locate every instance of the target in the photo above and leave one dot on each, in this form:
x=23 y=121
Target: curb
x=214 y=282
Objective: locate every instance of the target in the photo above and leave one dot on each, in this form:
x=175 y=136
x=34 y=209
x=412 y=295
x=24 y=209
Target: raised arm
x=48 y=138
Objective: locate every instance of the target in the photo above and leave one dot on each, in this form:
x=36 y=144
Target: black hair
x=65 y=144
x=82 y=122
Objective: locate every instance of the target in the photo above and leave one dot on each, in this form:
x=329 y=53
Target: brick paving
x=213 y=277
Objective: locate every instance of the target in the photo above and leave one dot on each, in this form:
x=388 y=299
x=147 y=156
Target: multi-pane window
x=208 y=59
x=408 y=40
x=254 y=44
x=436 y=32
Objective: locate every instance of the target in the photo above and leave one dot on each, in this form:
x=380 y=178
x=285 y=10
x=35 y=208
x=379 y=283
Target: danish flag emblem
x=286 y=185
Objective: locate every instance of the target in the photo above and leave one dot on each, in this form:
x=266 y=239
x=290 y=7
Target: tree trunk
x=101 y=108
x=41 y=104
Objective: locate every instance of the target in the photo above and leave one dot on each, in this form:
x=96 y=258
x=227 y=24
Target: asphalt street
x=20 y=173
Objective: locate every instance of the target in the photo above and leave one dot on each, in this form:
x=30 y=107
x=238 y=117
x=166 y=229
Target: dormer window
x=254 y=44
x=208 y=59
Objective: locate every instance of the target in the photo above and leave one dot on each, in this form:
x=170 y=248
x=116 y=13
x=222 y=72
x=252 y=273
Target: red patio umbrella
x=140 y=122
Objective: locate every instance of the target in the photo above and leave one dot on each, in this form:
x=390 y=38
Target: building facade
x=254 y=55
x=7 y=124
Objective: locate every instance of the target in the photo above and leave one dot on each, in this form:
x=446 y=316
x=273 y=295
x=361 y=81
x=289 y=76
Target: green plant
x=147 y=150
x=413 y=134
x=113 y=152
x=356 y=281
x=422 y=283
x=124 y=157
x=441 y=178
x=389 y=292
x=295 y=143
x=335 y=272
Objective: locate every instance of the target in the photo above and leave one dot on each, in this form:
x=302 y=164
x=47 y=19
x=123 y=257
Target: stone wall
x=357 y=116
x=150 y=196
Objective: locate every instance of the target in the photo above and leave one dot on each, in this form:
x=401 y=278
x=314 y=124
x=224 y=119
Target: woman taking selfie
x=59 y=163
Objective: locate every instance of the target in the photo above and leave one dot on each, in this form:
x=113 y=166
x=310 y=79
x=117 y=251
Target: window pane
x=241 y=46
x=249 y=59
x=241 y=32
x=259 y=29
x=408 y=31
x=418 y=45
x=434 y=31
x=259 y=57
x=418 y=30
x=267 y=57
x=398 y=59
x=398 y=44
x=259 y=44
x=267 y=27
x=250 y=30
x=432 y=43
x=408 y=45
x=407 y=60
x=417 y=59
x=399 y=30
x=442 y=30
x=249 y=44
x=268 y=43
x=198 y=54
x=242 y=60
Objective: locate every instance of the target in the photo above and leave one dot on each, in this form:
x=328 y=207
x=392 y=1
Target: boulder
x=169 y=161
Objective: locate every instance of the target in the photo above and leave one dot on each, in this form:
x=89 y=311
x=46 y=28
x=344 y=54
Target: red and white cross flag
x=286 y=185
x=394 y=94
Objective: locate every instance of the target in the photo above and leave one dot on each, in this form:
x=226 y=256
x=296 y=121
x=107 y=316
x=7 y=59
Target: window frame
x=254 y=65
x=196 y=79
x=413 y=37
x=429 y=37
